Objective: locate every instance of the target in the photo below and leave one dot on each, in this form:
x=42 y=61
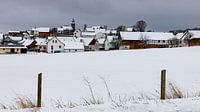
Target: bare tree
x=141 y=25
x=85 y=27
x=144 y=40
x=174 y=42
x=120 y=28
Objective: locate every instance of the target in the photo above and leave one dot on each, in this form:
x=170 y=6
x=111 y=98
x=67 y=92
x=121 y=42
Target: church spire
x=73 y=25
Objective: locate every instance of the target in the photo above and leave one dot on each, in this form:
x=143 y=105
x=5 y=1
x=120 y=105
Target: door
x=12 y=50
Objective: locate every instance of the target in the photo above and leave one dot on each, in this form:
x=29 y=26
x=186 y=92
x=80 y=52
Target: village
x=69 y=38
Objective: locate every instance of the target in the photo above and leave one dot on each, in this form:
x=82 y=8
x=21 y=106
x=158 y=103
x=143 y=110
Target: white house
x=54 y=45
x=72 y=44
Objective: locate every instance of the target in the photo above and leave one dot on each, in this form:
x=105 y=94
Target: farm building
x=192 y=37
x=42 y=32
x=12 y=49
x=138 y=40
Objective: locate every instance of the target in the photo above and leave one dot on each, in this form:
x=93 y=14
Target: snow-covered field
x=127 y=73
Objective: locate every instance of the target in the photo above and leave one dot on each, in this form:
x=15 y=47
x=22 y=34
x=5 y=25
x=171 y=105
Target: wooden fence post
x=163 y=85
x=39 y=90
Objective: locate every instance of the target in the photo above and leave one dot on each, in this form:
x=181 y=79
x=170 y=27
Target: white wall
x=55 y=43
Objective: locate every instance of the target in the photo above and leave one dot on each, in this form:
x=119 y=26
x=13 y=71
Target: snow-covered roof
x=68 y=39
x=130 y=29
x=90 y=29
x=148 y=35
x=100 y=31
x=41 y=41
x=12 y=46
x=27 y=42
x=86 y=41
x=60 y=29
x=67 y=27
x=71 y=42
x=88 y=33
x=100 y=35
x=13 y=31
x=16 y=38
x=93 y=28
x=179 y=35
x=41 y=29
x=111 y=31
x=195 y=33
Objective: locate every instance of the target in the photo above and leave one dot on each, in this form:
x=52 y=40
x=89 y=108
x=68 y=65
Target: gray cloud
x=161 y=15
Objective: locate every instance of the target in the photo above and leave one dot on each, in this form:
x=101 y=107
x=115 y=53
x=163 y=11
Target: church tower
x=73 y=25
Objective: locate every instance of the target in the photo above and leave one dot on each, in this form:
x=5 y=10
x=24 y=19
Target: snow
x=41 y=41
x=101 y=40
x=87 y=41
x=27 y=42
x=13 y=31
x=111 y=31
x=149 y=35
x=179 y=35
x=16 y=38
x=127 y=73
x=178 y=105
x=129 y=29
x=195 y=33
x=71 y=43
x=89 y=34
x=42 y=29
x=12 y=46
x=111 y=38
x=67 y=27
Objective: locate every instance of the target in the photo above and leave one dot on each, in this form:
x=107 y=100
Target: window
x=163 y=41
x=44 y=47
x=59 y=46
x=55 y=41
x=52 y=41
x=51 y=47
x=158 y=41
x=17 y=49
x=3 y=48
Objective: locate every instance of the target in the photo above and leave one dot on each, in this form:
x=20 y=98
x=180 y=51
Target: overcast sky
x=160 y=15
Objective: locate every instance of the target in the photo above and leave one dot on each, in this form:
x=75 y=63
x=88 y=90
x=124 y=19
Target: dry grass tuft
x=60 y=104
x=23 y=102
x=174 y=92
x=20 y=102
x=92 y=100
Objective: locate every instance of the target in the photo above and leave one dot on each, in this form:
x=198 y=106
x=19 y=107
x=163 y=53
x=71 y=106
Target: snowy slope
x=127 y=73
